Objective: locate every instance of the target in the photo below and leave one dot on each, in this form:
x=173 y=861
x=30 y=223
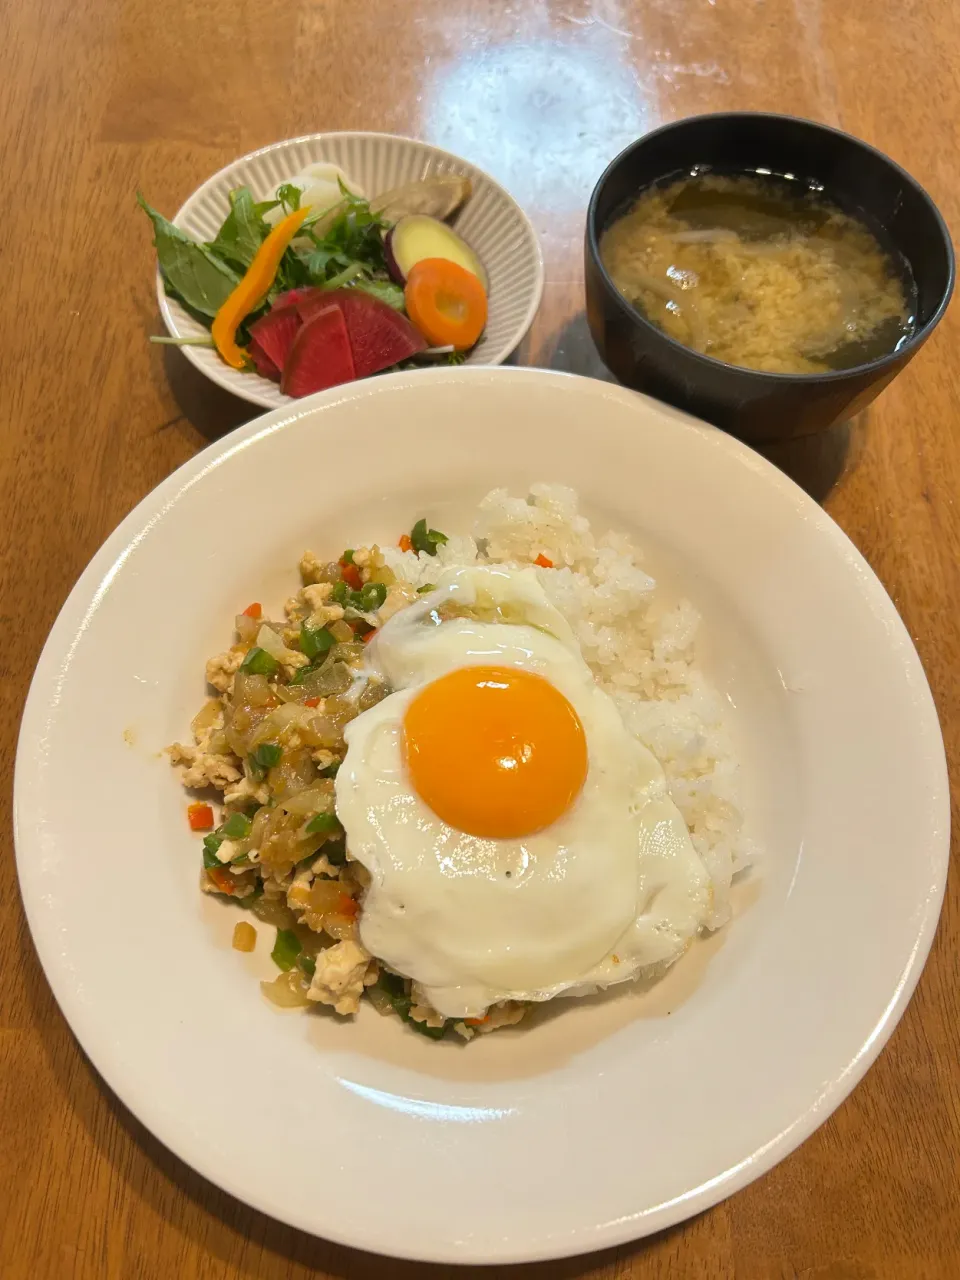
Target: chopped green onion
x=372 y=596
x=236 y=827
x=315 y=640
x=335 y=850
x=427 y=586
x=268 y=754
x=286 y=949
x=331 y=770
x=347 y=557
x=307 y=965
x=259 y=663
x=322 y=824
x=211 y=844
x=424 y=539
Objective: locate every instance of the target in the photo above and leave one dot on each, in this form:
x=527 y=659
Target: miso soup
x=760 y=272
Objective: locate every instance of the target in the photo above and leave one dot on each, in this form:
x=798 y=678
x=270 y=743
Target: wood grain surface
x=98 y=97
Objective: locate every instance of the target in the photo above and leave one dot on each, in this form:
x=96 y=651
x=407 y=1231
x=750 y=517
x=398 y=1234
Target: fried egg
x=521 y=842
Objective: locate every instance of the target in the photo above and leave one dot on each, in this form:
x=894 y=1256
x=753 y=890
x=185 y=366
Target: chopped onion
x=268 y=640
x=287 y=991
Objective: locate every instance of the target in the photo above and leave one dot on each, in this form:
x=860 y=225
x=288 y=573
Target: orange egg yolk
x=494 y=751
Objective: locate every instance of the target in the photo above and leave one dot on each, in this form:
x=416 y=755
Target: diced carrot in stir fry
x=543 y=562
x=200 y=817
x=223 y=880
x=254 y=610
x=351 y=576
x=404 y=543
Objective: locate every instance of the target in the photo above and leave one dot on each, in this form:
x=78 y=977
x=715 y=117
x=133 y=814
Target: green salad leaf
x=243 y=231
x=385 y=290
x=191 y=271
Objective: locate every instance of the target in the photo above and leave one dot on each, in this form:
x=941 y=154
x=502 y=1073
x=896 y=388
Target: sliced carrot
x=311 y=702
x=222 y=879
x=446 y=302
x=351 y=576
x=404 y=543
x=543 y=562
x=200 y=817
x=347 y=906
x=370 y=634
x=477 y=1022
x=253 y=611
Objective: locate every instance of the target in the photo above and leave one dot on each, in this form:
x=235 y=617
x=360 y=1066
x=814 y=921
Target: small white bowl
x=491 y=222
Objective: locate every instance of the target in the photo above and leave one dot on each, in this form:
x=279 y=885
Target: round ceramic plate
x=607 y=1118
x=491 y=222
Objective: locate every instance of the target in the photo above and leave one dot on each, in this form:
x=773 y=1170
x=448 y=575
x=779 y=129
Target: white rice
x=642 y=653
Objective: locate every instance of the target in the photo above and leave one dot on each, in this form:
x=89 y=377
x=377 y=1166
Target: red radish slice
x=320 y=356
x=274 y=333
x=379 y=335
x=419 y=237
x=265 y=366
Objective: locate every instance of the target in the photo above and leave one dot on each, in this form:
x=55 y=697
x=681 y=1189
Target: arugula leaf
x=190 y=270
x=385 y=290
x=243 y=230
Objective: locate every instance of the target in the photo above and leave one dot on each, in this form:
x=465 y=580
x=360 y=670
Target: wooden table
x=98 y=97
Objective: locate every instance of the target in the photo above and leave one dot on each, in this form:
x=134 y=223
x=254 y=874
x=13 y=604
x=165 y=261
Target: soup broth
x=761 y=273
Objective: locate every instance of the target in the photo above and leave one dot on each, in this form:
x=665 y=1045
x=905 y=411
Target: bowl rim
x=898 y=356
x=252 y=394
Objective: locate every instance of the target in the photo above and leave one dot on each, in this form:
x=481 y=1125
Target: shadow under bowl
x=753 y=405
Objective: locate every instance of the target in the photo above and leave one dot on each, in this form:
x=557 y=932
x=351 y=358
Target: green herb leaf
x=268 y=754
x=286 y=949
x=236 y=827
x=315 y=640
x=385 y=290
x=260 y=663
x=194 y=274
x=424 y=539
x=322 y=824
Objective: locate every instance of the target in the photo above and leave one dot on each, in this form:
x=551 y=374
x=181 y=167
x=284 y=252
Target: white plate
x=491 y=222
x=609 y=1118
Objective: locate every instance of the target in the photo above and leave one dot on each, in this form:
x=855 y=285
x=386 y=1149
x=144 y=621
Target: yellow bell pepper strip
x=253 y=288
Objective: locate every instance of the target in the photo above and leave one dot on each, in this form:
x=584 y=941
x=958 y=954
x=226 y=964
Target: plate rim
x=253 y=395
x=72 y=618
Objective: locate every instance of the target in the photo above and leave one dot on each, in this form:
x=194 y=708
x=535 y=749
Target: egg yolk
x=495 y=751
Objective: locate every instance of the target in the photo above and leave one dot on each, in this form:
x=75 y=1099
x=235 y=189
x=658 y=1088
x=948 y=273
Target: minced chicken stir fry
x=271 y=741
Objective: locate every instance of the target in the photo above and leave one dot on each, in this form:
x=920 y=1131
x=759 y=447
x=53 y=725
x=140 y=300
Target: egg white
x=612 y=887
